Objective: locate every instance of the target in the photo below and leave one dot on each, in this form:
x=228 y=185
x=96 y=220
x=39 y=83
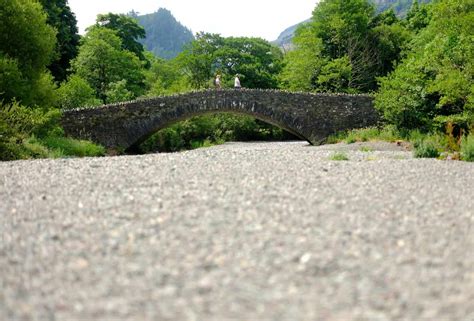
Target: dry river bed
x=241 y=231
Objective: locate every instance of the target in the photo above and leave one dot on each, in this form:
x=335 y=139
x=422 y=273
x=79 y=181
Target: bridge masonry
x=311 y=117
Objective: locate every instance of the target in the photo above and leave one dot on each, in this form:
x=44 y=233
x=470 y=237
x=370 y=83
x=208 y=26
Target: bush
x=76 y=93
x=17 y=123
x=425 y=149
x=118 y=92
x=467 y=148
x=36 y=133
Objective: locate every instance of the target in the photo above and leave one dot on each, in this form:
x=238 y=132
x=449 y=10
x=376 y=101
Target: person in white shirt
x=217 y=82
x=237 y=82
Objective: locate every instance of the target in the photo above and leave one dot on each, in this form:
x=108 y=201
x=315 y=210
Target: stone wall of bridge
x=311 y=117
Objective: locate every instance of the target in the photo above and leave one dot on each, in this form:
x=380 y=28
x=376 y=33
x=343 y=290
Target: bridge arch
x=311 y=117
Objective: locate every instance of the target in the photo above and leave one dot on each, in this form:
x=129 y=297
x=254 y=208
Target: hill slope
x=165 y=36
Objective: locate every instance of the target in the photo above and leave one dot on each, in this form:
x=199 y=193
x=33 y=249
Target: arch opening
x=211 y=128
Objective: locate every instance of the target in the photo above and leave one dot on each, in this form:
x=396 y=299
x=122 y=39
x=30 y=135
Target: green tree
x=102 y=61
x=63 y=20
x=164 y=77
x=255 y=60
x=341 y=24
x=197 y=60
x=26 y=46
x=302 y=64
x=388 y=40
x=127 y=28
x=118 y=92
x=76 y=93
x=418 y=17
x=433 y=85
x=345 y=47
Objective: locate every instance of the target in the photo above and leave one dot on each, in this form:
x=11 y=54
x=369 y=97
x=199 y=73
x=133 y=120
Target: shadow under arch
x=290 y=132
x=310 y=117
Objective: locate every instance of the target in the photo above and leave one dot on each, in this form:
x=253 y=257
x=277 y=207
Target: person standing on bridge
x=237 y=82
x=217 y=82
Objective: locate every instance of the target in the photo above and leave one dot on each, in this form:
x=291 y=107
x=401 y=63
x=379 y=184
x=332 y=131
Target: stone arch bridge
x=311 y=117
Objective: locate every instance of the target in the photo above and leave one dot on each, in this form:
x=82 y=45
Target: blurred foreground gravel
x=255 y=231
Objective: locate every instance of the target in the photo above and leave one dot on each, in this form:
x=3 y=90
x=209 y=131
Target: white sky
x=249 y=18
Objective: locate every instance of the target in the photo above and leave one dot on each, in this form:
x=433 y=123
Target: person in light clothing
x=237 y=82
x=217 y=82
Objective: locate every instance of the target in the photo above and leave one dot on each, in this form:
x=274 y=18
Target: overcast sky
x=250 y=18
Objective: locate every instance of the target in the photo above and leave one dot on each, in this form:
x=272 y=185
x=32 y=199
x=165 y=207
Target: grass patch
x=63 y=146
x=387 y=133
x=366 y=149
x=205 y=143
x=57 y=147
x=339 y=156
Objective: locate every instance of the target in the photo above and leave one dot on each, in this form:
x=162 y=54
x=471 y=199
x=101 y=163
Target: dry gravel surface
x=241 y=231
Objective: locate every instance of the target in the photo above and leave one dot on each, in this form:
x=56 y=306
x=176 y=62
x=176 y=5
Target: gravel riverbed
x=241 y=231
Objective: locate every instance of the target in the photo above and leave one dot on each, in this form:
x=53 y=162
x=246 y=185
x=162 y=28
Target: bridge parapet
x=312 y=117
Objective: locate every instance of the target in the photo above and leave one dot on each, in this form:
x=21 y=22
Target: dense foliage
x=344 y=48
x=27 y=45
x=33 y=132
x=127 y=29
x=401 y=7
x=29 y=121
x=433 y=86
x=256 y=60
x=63 y=20
x=103 y=62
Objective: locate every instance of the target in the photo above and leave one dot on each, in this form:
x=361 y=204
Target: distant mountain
x=284 y=39
x=401 y=7
x=165 y=36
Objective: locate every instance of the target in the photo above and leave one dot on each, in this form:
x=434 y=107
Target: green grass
x=467 y=148
x=387 y=133
x=205 y=143
x=426 y=148
x=57 y=147
x=63 y=146
x=339 y=156
x=366 y=149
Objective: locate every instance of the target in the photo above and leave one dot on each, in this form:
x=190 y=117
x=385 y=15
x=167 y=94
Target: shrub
x=76 y=93
x=467 y=148
x=36 y=133
x=17 y=123
x=425 y=149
